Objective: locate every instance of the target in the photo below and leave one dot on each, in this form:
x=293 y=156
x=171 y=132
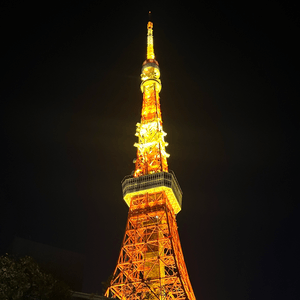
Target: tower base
x=151 y=263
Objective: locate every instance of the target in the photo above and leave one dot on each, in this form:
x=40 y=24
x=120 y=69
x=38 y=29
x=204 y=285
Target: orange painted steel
x=150 y=152
x=151 y=264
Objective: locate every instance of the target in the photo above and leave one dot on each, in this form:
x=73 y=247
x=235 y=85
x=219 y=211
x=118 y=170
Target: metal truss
x=151 y=263
x=151 y=153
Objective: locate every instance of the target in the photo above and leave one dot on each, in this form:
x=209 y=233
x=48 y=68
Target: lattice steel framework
x=151 y=153
x=151 y=264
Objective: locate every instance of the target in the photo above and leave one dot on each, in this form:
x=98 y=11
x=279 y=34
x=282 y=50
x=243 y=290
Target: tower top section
x=151 y=154
x=150 y=46
x=150 y=56
x=151 y=167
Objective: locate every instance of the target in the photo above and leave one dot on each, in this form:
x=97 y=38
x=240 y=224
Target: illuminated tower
x=151 y=263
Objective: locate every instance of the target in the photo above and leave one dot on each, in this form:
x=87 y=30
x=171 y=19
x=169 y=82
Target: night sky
x=70 y=100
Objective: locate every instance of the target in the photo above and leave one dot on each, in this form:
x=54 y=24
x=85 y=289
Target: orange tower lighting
x=151 y=263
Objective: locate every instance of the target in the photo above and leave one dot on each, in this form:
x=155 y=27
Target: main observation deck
x=152 y=183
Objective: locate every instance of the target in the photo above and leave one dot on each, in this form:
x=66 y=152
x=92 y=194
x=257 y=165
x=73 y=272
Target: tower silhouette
x=151 y=263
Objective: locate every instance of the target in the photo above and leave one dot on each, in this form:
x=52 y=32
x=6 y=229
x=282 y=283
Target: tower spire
x=151 y=153
x=150 y=46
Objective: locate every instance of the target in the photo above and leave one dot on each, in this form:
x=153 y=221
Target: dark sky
x=70 y=100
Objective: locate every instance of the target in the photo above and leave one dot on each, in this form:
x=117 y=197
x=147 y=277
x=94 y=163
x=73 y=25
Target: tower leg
x=151 y=263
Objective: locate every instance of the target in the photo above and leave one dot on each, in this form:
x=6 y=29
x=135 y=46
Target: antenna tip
x=150 y=24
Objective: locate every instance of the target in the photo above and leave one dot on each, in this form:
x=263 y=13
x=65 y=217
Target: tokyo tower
x=151 y=263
